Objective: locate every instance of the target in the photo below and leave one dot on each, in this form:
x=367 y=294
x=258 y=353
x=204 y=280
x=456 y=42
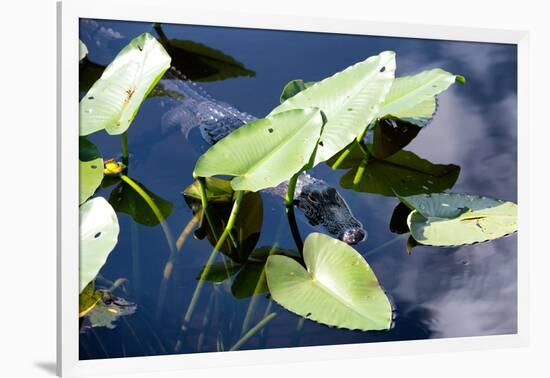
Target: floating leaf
x=201 y=63
x=82 y=50
x=248 y=223
x=90 y=169
x=266 y=152
x=113 y=101
x=125 y=199
x=403 y=172
x=338 y=288
x=294 y=87
x=350 y=100
x=98 y=236
x=450 y=219
x=412 y=98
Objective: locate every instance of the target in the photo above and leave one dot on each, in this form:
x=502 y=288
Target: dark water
x=454 y=292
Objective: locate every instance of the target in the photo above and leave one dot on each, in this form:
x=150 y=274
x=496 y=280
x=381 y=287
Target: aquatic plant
x=337 y=287
x=451 y=219
x=358 y=119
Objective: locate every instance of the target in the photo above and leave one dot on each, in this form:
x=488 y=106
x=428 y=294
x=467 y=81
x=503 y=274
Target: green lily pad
x=90 y=169
x=412 y=99
x=248 y=223
x=451 y=219
x=350 y=99
x=114 y=100
x=98 y=236
x=266 y=152
x=125 y=199
x=403 y=172
x=338 y=288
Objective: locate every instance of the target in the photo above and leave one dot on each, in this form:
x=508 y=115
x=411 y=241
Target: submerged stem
x=252 y=331
x=360 y=171
x=358 y=141
x=207 y=267
x=289 y=202
x=124 y=146
x=165 y=229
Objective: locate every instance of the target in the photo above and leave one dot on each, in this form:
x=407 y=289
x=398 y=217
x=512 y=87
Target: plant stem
x=125 y=153
x=255 y=295
x=252 y=331
x=221 y=240
x=165 y=230
x=289 y=202
x=357 y=142
x=360 y=171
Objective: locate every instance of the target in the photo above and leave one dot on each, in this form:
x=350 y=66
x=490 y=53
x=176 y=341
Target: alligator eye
x=313 y=197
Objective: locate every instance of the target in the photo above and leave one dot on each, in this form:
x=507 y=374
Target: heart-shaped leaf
x=350 y=99
x=338 y=288
x=98 y=236
x=90 y=169
x=114 y=100
x=450 y=219
x=266 y=152
x=412 y=98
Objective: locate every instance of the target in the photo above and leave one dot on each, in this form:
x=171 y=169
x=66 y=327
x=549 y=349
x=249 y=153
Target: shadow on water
x=470 y=147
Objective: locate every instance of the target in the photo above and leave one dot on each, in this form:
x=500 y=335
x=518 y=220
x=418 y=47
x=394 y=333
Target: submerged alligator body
x=320 y=203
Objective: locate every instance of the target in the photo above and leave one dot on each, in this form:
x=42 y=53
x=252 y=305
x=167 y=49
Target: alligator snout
x=353 y=235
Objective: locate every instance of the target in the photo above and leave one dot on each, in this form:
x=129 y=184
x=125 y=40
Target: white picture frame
x=69 y=13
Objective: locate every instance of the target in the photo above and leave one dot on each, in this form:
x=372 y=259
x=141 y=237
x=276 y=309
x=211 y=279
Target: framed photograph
x=251 y=188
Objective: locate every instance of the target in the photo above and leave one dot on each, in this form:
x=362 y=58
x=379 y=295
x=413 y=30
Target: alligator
x=194 y=107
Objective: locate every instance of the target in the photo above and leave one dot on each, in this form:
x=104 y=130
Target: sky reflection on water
x=452 y=292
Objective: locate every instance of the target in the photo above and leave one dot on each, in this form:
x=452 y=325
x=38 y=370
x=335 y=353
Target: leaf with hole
x=266 y=152
x=114 y=100
x=350 y=99
x=451 y=219
x=98 y=236
x=90 y=165
x=338 y=288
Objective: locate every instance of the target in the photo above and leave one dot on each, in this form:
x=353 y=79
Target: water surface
x=451 y=292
